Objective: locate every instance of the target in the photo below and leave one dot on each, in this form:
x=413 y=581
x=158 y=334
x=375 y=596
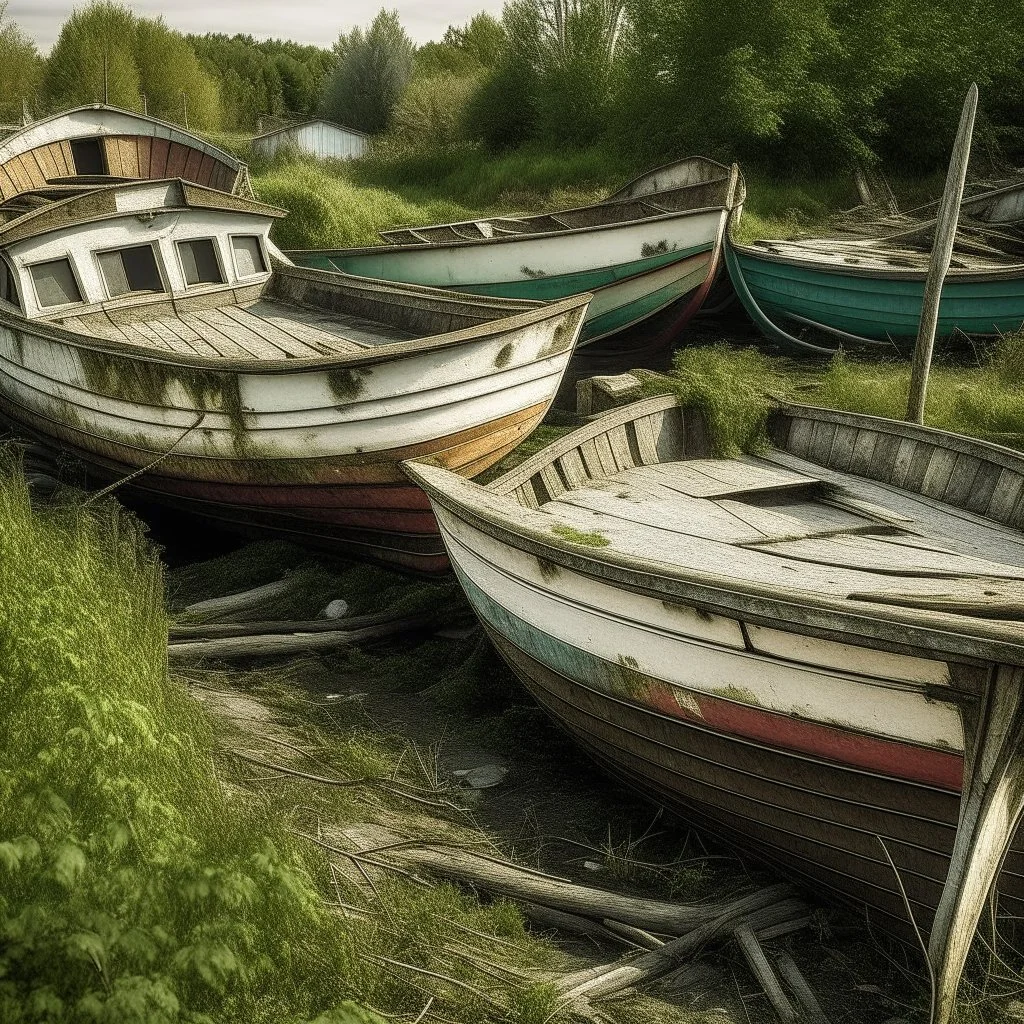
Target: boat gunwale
x=906 y=630
x=385 y=247
x=876 y=270
x=535 y=312
x=618 y=197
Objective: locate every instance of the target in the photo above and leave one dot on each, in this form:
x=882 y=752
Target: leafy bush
x=432 y=112
x=132 y=887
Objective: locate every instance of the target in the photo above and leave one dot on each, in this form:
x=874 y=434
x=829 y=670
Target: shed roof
x=315 y=120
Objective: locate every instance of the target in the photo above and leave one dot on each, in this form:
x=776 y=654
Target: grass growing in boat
x=588 y=539
x=537 y=441
x=736 y=388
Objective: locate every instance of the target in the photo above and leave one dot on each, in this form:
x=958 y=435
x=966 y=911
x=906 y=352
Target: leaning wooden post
x=942 y=253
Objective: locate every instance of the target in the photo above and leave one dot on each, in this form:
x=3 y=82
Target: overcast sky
x=306 y=21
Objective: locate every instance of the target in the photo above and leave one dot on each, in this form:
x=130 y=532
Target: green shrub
x=132 y=886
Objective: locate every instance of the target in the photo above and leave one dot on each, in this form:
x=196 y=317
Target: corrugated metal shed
x=318 y=138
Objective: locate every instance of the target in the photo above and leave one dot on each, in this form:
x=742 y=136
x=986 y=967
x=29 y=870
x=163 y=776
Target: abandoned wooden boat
x=653 y=244
x=817 y=652
x=100 y=144
x=145 y=328
x=858 y=290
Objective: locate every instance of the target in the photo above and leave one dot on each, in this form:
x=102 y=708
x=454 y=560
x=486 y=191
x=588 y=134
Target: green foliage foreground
x=132 y=886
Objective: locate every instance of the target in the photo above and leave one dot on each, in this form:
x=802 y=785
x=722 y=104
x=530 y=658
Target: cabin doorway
x=89 y=157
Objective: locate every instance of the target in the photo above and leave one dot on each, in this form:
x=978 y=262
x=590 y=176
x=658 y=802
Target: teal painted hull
x=880 y=307
x=603 y=318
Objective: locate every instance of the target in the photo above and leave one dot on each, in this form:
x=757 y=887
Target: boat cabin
x=144 y=244
x=99 y=144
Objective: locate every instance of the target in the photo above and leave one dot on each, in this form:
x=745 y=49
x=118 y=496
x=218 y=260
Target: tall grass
x=737 y=389
x=328 y=210
x=134 y=886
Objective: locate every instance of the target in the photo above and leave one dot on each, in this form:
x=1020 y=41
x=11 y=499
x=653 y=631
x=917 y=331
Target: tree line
x=797 y=85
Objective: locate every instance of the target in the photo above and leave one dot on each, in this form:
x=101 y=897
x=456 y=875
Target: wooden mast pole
x=942 y=253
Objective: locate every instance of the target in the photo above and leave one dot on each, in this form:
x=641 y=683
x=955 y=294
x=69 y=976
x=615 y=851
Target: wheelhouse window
x=130 y=270
x=88 y=157
x=55 y=283
x=248 y=255
x=199 y=262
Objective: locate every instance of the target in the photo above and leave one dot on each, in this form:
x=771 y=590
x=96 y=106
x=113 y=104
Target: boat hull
x=879 y=306
x=312 y=453
x=806 y=793
x=634 y=271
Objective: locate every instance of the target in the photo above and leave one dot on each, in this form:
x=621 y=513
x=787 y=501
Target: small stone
x=484 y=777
x=337 y=609
x=593 y=865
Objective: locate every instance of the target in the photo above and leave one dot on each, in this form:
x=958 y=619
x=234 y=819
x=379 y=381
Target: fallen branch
x=759 y=910
x=265 y=646
x=230 y=630
x=809 y=1005
x=232 y=604
x=762 y=970
x=572 y=924
x=638 y=936
x=522 y=884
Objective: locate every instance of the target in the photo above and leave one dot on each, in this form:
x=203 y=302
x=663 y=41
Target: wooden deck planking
x=960 y=529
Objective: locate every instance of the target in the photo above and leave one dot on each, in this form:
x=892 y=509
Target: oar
x=942 y=253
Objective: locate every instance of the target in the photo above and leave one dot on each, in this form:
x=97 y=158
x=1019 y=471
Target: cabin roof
x=313 y=120
x=102 y=202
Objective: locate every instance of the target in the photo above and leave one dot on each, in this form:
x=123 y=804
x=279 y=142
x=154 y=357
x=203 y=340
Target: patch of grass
x=329 y=210
x=589 y=539
x=733 y=388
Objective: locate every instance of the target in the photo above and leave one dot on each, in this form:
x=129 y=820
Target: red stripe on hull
x=897 y=759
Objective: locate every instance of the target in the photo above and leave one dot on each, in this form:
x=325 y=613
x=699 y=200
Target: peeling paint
x=647 y=250
x=533 y=275
x=346 y=385
x=504 y=356
x=548 y=570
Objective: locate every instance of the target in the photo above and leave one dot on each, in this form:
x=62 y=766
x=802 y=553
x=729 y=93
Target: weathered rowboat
x=145 y=328
x=817 y=653
x=653 y=244
x=856 y=289
x=101 y=144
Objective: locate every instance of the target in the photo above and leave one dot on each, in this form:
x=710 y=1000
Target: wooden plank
x=207 y=321
x=959 y=529
x=820 y=447
x=646 y=442
x=224 y=347
x=144 y=147
x=842 y=447
x=46 y=163
x=129 y=157
x=199 y=347
x=619 y=445
x=551 y=482
x=722 y=478
x=605 y=454
x=193 y=161
x=112 y=152
x=800 y=436
x=177 y=156
x=206 y=169
x=571 y=465
x=884 y=457
x=904 y=458
x=57 y=158
x=863 y=450
x=983 y=487
x=282 y=342
x=1006 y=495
x=961 y=480
x=527 y=496
x=940 y=469
x=588 y=452
x=919 y=466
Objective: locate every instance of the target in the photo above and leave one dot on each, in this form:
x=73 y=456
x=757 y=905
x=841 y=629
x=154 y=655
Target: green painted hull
x=880 y=307
x=610 y=313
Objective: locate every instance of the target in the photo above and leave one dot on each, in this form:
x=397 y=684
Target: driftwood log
x=761 y=968
x=523 y=884
x=761 y=909
x=791 y=975
x=234 y=604
x=295 y=642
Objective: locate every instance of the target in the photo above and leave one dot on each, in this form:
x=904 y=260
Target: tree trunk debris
x=234 y=604
x=297 y=642
x=762 y=969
